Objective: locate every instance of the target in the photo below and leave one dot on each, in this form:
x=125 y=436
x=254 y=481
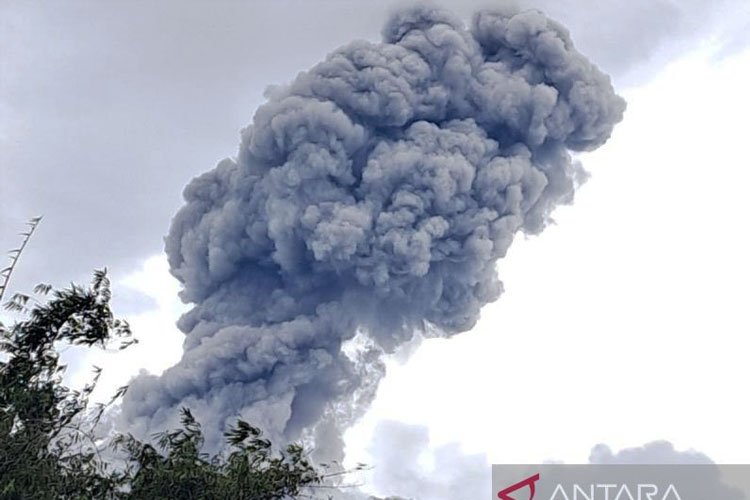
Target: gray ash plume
x=373 y=195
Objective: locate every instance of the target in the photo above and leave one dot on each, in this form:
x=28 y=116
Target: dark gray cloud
x=373 y=194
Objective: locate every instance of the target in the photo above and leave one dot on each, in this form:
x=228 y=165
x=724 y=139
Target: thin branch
x=15 y=254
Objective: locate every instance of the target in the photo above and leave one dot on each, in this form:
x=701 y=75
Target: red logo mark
x=529 y=481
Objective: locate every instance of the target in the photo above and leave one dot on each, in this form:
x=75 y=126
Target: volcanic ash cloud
x=373 y=195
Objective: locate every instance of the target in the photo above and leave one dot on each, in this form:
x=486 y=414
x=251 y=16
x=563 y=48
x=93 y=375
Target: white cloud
x=160 y=342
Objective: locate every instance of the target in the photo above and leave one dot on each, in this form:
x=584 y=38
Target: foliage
x=49 y=448
x=47 y=441
x=249 y=472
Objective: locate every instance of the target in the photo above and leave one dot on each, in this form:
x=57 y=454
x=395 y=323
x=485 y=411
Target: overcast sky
x=623 y=324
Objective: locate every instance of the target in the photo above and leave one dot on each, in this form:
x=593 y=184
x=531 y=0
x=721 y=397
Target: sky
x=622 y=324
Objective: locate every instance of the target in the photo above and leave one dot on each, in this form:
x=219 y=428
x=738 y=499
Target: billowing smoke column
x=372 y=195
